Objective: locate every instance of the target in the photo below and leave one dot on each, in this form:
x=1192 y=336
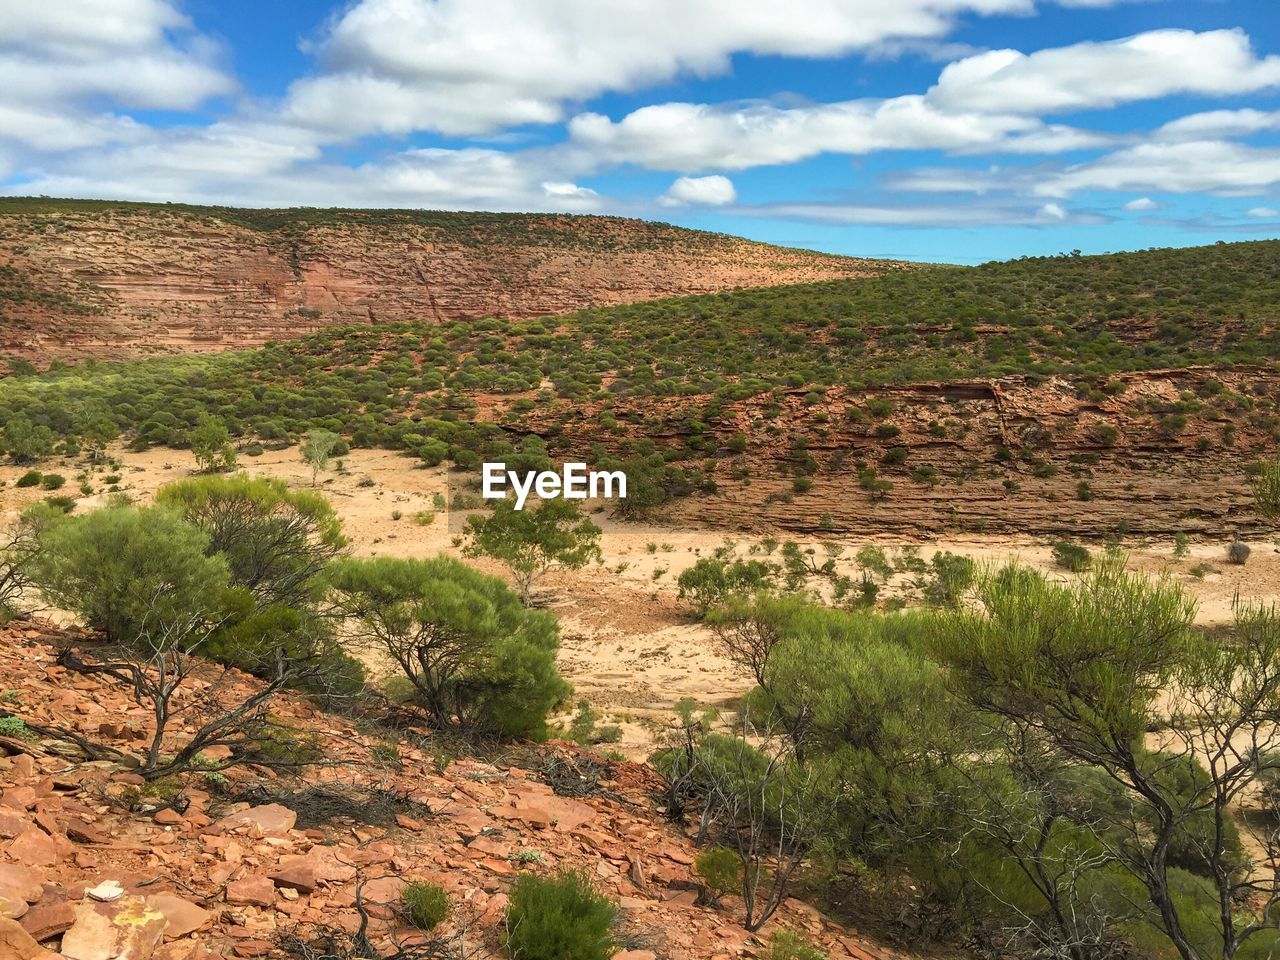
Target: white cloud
x=1213 y=167
x=121 y=49
x=568 y=191
x=917 y=215
x=275 y=166
x=695 y=136
x=1210 y=166
x=1216 y=124
x=1141 y=204
x=1053 y=211
x=1102 y=74
x=1265 y=213
x=463 y=68
x=714 y=191
x=56 y=59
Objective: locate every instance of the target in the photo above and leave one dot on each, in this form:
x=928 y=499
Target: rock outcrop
x=124 y=280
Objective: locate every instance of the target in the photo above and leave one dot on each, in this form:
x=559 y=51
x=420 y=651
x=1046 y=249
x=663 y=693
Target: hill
x=1069 y=394
x=110 y=280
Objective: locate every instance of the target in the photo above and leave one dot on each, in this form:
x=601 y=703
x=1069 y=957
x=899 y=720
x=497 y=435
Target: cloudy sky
x=958 y=130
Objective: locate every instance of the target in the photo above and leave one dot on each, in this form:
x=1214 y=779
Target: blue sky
x=950 y=130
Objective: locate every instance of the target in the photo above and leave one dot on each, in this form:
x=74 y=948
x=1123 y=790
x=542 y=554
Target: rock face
x=117 y=280
x=1084 y=465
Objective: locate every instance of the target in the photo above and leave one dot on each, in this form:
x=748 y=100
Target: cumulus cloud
x=983 y=103
x=391 y=66
x=713 y=191
x=1217 y=124
x=58 y=59
x=1211 y=166
x=695 y=136
x=1141 y=204
x=1089 y=75
x=273 y=166
x=126 y=50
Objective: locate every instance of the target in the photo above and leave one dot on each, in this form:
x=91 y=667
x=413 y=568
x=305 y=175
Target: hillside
x=1086 y=395
x=112 y=280
x=257 y=863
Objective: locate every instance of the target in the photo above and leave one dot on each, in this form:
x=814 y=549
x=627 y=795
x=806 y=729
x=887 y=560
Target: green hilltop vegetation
x=415 y=386
x=468 y=228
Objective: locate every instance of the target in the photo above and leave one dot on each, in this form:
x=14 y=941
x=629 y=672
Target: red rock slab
x=295 y=873
x=551 y=811
x=19 y=798
x=253 y=948
x=183 y=916
x=17 y=944
x=253 y=891
x=22 y=882
x=34 y=847
x=267 y=820
x=48 y=920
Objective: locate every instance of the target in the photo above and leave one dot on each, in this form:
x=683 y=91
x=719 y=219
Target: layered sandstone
x=117 y=281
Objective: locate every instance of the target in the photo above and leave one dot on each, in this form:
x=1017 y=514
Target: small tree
x=770 y=811
x=19 y=550
x=1087 y=671
x=145 y=578
x=531 y=542
x=277 y=542
x=211 y=443
x=1266 y=492
x=157 y=668
x=470 y=649
x=317 y=449
x=27 y=442
x=123 y=569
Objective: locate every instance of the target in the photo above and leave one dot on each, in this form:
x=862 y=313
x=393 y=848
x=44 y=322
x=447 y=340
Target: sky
x=941 y=130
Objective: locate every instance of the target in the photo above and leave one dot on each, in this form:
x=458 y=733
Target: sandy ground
x=629 y=646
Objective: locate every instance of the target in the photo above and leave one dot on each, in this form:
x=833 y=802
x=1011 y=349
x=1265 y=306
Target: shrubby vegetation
x=532 y=541
x=413 y=387
x=1051 y=769
x=252 y=575
x=559 y=918
x=472 y=651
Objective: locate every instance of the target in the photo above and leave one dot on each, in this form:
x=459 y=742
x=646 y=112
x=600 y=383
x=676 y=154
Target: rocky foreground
x=93 y=866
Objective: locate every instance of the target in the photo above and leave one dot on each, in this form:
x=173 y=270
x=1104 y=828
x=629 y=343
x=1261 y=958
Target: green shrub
x=276 y=541
x=425 y=905
x=130 y=572
x=559 y=918
x=29 y=479
x=789 y=945
x=713 y=580
x=1071 y=556
x=721 y=871
x=15 y=728
x=473 y=652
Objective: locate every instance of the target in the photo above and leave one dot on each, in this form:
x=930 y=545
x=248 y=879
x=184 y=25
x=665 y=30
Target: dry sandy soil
x=629 y=646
